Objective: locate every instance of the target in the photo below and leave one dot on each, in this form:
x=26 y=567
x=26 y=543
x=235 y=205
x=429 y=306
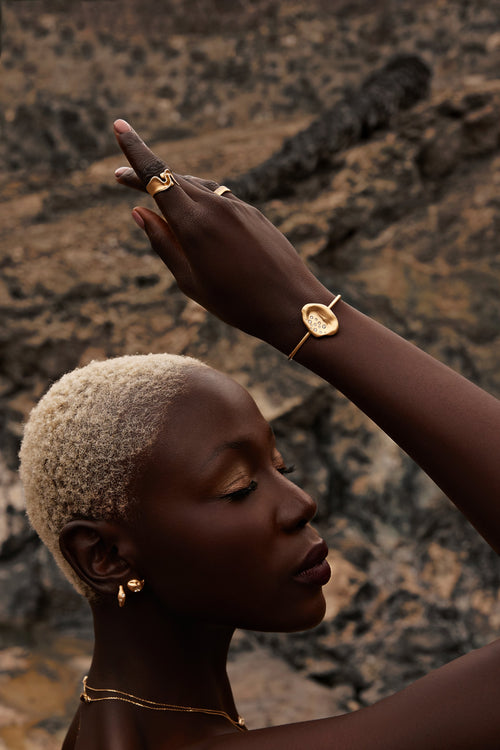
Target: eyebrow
x=234 y=445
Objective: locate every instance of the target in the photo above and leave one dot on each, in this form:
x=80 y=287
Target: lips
x=314 y=568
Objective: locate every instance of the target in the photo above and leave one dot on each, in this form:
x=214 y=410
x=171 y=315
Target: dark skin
x=213 y=245
x=216 y=552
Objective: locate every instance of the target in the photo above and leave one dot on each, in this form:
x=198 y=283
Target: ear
x=102 y=553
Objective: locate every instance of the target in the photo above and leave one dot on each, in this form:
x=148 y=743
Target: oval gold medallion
x=319 y=319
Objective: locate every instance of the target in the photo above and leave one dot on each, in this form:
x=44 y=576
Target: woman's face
x=224 y=535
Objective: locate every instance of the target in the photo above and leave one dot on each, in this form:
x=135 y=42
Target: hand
x=223 y=252
x=229 y=258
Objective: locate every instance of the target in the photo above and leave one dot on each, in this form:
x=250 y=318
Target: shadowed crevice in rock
x=404 y=222
x=398 y=85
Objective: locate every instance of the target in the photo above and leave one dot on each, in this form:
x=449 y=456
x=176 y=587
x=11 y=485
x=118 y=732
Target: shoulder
x=453 y=707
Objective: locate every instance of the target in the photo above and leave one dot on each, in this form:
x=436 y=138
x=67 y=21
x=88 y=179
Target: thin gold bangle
x=331 y=326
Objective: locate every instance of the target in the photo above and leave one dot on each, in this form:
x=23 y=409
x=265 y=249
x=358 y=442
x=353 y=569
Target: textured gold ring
x=222 y=189
x=164 y=181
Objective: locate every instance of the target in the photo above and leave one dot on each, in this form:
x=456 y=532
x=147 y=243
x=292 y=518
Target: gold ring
x=164 y=181
x=222 y=189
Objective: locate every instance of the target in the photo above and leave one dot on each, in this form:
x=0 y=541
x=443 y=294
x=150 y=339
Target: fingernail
x=121 y=126
x=138 y=219
x=120 y=171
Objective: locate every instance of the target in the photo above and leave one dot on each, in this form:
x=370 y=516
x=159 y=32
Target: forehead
x=211 y=411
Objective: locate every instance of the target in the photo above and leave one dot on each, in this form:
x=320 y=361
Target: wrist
x=288 y=327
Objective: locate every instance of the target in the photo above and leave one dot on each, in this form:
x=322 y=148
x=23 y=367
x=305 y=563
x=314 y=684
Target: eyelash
x=241 y=494
x=245 y=491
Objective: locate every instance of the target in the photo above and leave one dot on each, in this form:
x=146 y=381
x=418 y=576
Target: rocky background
x=399 y=213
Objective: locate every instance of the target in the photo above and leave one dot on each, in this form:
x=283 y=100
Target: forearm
x=455 y=707
x=449 y=426
x=229 y=258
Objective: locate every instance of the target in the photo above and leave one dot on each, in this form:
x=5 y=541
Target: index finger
x=178 y=201
x=142 y=160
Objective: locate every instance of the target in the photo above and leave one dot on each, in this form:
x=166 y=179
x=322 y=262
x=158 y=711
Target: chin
x=308 y=616
x=311 y=618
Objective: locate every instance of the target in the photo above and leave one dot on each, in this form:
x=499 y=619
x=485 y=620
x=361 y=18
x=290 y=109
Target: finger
x=164 y=242
x=209 y=185
x=230 y=196
x=146 y=165
x=176 y=203
x=126 y=176
x=143 y=161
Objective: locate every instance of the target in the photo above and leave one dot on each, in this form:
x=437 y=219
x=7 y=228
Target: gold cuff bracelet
x=319 y=320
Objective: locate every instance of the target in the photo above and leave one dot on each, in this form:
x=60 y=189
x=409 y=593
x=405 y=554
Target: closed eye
x=240 y=494
x=286 y=469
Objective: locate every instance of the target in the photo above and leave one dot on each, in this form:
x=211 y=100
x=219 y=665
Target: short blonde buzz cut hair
x=82 y=442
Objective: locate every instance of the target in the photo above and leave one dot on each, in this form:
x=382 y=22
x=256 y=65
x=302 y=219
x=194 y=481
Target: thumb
x=164 y=242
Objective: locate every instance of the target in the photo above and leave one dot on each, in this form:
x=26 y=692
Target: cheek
x=210 y=567
x=229 y=575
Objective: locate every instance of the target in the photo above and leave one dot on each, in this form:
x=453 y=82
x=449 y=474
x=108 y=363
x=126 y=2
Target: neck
x=158 y=656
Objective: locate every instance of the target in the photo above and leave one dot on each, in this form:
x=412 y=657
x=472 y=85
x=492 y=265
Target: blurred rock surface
x=404 y=224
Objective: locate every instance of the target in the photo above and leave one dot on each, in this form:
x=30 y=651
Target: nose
x=296 y=508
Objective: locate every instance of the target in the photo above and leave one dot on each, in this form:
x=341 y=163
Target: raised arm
x=229 y=258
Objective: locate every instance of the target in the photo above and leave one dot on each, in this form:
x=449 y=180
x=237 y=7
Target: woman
x=194 y=530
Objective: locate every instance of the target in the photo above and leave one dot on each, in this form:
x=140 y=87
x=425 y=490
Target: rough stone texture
x=404 y=224
x=401 y=83
x=45 y=681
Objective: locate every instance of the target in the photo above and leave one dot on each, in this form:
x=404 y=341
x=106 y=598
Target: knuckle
x=151 y=167
x=201 y=182
x=252 y=210
x=210 y=184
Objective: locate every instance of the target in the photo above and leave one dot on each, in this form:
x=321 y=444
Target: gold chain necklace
x=120 y=695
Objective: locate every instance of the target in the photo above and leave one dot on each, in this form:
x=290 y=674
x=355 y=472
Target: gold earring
x=121 y=596
x=135 y=585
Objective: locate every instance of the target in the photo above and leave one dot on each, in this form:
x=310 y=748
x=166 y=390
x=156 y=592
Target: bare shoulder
x=454 y=707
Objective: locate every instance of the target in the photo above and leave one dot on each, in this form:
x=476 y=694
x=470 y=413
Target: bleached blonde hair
x=82 y=442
